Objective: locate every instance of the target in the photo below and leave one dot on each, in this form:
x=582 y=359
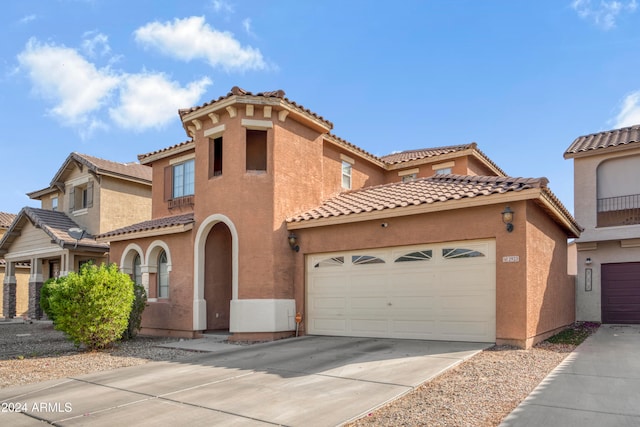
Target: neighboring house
x=607 y=204
x=21 y=273
x=86 y=197
x=265 y=214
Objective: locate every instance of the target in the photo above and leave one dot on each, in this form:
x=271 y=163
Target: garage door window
x=365 y=259
x=425 y=255
x=330 y=262
x=452 y=253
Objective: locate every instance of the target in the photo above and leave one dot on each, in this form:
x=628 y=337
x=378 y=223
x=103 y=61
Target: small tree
x=135 y=317
x=92 y=307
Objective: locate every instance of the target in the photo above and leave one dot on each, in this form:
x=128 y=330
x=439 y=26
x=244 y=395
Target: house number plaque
x=587 y=280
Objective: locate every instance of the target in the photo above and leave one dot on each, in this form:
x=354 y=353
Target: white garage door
x=444 y=291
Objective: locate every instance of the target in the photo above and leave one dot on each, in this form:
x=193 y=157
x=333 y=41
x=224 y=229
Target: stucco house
x=264 y=217
x=21 y=273
x=607 y=204
x=87 y=196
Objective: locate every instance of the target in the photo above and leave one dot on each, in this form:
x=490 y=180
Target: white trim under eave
x=533 y=193
x=147 y=233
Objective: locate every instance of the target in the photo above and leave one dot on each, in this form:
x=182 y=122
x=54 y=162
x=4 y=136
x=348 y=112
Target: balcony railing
x=182 y=202
x=622 y=210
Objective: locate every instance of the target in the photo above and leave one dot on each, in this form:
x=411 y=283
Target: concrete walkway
x=308 y=381
x=596 y=385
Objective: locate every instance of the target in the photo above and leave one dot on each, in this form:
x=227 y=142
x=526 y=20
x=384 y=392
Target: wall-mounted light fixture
x=293 y=242
x=587 y=261
x=507 y=218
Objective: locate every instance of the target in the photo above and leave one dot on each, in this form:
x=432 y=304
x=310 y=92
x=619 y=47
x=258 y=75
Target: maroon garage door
x=621 y=293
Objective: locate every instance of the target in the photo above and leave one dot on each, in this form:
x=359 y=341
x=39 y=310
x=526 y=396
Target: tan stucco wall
x=550 y=290
x=602 y=245
x=122 y=203
x=585 y=171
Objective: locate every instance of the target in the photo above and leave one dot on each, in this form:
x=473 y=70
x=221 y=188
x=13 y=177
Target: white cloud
x=95 y=41
x=605 y=12
x=151 y=100
x=90 y=99
x=246 y=24
x=60 y=74
x=28 y=18
x=222 y=6
x=629 y=114
x=192 y=38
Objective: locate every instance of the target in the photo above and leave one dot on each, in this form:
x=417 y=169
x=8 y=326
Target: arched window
x=137 y=270
x=163 y=276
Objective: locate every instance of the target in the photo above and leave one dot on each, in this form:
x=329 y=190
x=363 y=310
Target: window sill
x=80 y=212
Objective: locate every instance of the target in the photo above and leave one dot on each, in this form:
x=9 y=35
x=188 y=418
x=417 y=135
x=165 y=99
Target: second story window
x=443 y=171
x=215 y=157
x=54 y=203
x=183 y=179
x=346 y=175
x=256 y=150
x=410 y=177
x=81 y=196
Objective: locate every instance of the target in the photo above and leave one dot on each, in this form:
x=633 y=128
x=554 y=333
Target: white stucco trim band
x=262 y=315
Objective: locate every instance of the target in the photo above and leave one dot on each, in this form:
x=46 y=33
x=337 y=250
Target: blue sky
x=522 y=79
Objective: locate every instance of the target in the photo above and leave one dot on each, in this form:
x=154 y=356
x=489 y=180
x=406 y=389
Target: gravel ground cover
x=479 y=392
x=35 y=352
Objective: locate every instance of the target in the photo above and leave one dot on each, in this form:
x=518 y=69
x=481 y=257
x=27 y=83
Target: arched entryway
x=218 y=277
x=201 y=261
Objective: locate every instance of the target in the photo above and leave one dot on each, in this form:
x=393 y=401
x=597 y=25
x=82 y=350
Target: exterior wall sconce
x=588 y=261
x=507 y=218
x=293 y=242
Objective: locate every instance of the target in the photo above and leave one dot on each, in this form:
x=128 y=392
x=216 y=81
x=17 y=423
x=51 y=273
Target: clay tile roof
x=56 y=225
x=153 y=224
x=236 y=91
x=408 y=155
x=133 y=170
x=437 y=188
x=601 y=140
x=141 y=157
x=6 y=219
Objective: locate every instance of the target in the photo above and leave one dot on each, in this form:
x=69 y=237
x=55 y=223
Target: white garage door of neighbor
x=444 y=291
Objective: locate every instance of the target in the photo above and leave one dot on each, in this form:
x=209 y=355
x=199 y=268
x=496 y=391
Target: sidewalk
x=596 y=385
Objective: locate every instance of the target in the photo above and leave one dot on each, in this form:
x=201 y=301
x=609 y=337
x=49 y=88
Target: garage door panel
x=621 y=293
x=329 y=326
x=368 y=303
x=370 y=326
x=419 y=303
x=325 y=284
x=329 y=303
x=426 y=298
x=420 y=328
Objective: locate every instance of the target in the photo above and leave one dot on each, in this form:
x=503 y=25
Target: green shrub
x=92 y=307
x=48 y=288
x=135 y=317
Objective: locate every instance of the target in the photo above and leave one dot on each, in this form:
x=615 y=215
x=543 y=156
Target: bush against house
x=49 y=288
x=135 y=317
x=92 y=307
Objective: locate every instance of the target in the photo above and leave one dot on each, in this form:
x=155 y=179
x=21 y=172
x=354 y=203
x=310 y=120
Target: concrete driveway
x=597 y=385
x=308 y=381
